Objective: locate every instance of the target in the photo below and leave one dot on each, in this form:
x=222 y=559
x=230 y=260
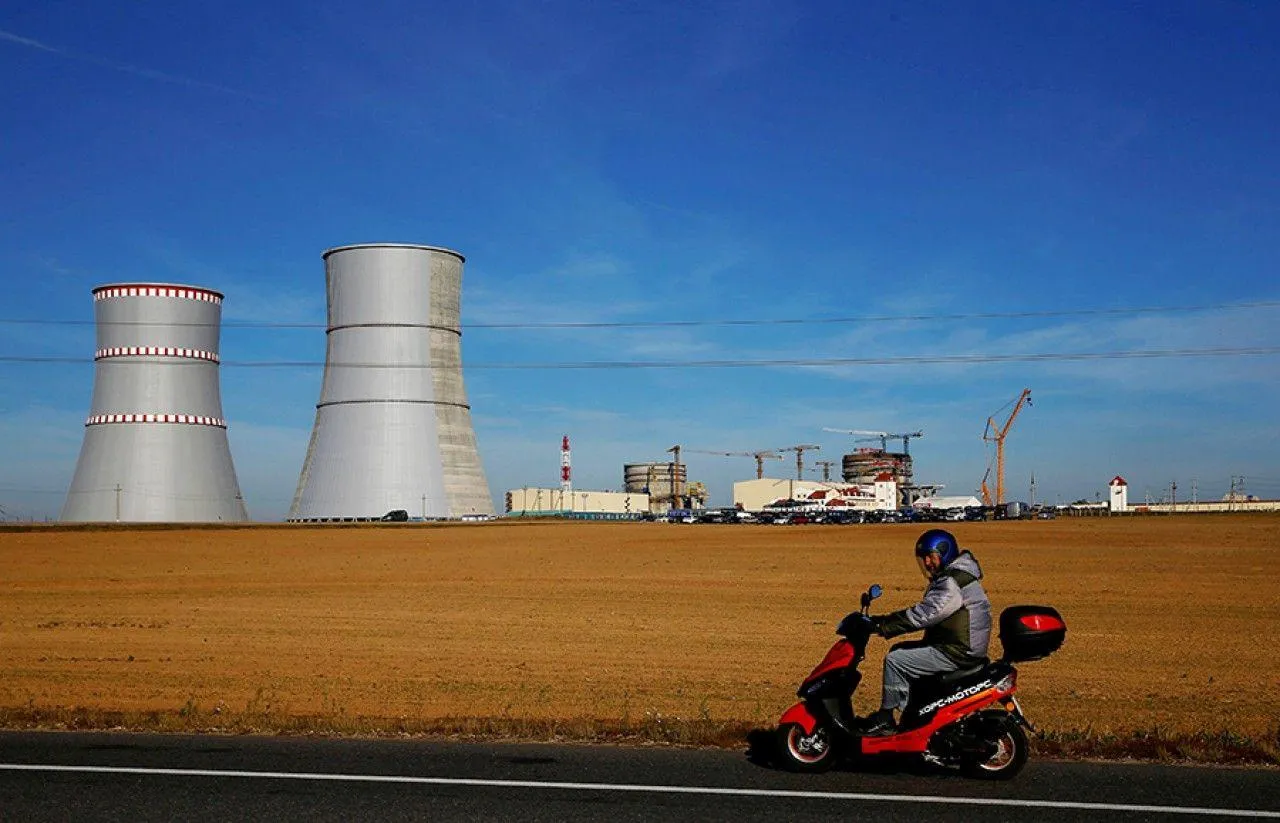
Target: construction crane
x=799 y=450
x=677 y=499
x=759 y=456
x=826 y=469
x=997 y=434
x=883 y=437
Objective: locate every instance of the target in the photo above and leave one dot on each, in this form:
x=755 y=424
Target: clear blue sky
x=633 y=163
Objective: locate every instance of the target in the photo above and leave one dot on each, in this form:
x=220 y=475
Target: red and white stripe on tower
x=566 y=465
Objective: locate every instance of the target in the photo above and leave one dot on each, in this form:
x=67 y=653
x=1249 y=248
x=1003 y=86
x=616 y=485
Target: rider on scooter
x=955 y=615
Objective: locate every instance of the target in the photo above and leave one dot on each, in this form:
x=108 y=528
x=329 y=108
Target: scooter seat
x=961 y=674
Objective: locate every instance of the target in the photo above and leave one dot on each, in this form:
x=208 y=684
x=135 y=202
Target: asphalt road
x=101 y=776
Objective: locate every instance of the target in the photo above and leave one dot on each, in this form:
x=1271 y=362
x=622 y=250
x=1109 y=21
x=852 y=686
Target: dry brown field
x=1173 y=622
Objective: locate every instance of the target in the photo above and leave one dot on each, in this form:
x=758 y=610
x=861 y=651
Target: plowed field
x=1173 y=621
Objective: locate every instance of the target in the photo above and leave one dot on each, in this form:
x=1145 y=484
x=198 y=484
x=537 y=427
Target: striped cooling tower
x=155 y=444
x=393 y=427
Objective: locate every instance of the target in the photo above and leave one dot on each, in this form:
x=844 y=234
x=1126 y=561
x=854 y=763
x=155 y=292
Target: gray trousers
x=906 y=662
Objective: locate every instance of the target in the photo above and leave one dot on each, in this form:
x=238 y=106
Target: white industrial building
x=950 y=501
x=754 y=495
x=530 y=501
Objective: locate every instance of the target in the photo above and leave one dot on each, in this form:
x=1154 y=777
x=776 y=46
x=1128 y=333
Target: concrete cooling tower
x=393 y=427
x=155 y=444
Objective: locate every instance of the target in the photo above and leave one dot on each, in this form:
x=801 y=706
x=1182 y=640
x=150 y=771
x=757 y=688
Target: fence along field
x=690 y=634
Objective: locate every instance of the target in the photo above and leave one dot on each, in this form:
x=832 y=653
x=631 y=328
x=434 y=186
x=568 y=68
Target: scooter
x=967 y=718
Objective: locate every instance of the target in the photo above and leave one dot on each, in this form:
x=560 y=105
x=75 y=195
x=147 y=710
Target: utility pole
x=424 y=507
x=1237 y=492
x=118 y=490
x=1173 y=495
x=1033 y=489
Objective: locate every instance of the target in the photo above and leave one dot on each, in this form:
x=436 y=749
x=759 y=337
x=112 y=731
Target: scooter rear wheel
x=1009 y=758
x=805 y=752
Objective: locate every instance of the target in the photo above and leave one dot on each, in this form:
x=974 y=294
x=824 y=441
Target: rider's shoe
x=880 y=724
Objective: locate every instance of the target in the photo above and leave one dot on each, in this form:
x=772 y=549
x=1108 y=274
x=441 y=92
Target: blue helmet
x=940 y=542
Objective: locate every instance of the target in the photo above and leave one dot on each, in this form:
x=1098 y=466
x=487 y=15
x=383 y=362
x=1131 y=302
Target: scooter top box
x=1031 y=632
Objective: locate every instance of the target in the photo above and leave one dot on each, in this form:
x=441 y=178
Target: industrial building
x=880 y=495
x=393 y=427
x=589 y=505
x=950 y=501
x=155 y=442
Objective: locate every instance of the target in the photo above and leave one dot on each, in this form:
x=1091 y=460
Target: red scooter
x=967 y=718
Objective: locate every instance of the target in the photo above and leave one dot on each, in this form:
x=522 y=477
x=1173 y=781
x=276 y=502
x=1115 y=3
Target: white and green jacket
x=954 y=613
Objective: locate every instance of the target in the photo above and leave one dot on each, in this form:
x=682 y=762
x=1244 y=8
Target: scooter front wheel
x=806 y=752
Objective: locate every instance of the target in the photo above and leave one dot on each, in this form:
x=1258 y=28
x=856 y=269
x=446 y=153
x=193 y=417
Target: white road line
x=625 y=787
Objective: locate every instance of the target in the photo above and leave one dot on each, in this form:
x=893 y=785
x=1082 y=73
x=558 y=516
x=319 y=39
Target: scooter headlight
x=1008 y=682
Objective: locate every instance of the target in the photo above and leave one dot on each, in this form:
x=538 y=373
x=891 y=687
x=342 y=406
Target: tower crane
x=799 y=450
x=826 y=469
x=883 y=437
x=996 y=434
x=759 y=456
x=677 y=500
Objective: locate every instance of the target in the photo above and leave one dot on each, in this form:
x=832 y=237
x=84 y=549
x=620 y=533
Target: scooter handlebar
x=856 y=626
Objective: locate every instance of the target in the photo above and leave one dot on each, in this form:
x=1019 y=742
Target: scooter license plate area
x=1015 y=708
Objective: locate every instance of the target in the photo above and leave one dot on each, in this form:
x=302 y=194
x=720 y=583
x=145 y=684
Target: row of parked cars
x=844 y=516
x=799 y=513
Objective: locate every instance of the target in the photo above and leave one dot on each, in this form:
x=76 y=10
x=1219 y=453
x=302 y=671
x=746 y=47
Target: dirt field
x=1172 y=621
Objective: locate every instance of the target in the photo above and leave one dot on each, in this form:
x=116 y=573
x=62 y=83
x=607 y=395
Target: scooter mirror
x=875 y=591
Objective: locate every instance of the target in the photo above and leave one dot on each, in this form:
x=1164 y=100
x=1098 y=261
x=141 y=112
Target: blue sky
x=901 y=168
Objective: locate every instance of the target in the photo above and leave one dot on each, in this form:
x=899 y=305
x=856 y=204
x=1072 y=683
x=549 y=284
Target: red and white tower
x=566 y=466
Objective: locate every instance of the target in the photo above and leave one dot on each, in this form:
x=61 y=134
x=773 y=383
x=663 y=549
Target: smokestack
x=393 y=426
x=566 y=465
x=155 y=444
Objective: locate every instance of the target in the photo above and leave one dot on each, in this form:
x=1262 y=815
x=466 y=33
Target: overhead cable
x=647 y=324
x=816 y=362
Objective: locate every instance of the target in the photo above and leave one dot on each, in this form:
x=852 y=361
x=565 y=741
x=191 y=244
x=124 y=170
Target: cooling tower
x=393 y=427
x=155 y=444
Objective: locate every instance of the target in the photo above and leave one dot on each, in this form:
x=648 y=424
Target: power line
x=648 y=324
x=903 y=360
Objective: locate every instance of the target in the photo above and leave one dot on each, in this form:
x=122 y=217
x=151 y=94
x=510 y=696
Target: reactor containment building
x=393 y=426
x=155 y=444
